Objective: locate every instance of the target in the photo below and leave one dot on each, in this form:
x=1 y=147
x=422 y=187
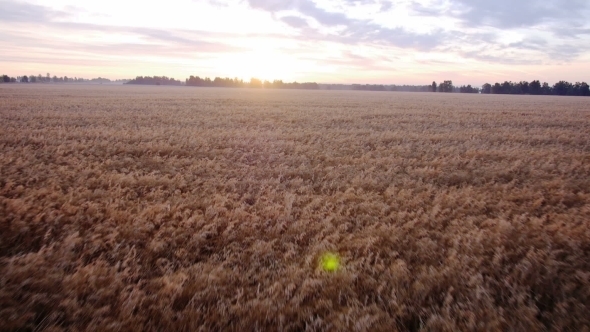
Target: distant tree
x=147 y=80
x=433 y=86
x=506 y=87
x=48 y=78
x=496 y=88
x=446 y=86
x=24 y=79
x=12 y=80
x=546 y=89
x=66 y=79
x=194 y=81
x=535 y=88
x=277 y=84
x=486 y=88
x=515 y=88
x=524 y=87
x=255 y=83
x=5 y=79
x=584 y=89
x=468 y=89
x=32 y=79
x=561 y=88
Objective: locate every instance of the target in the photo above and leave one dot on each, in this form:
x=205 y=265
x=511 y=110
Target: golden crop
x=176 y=208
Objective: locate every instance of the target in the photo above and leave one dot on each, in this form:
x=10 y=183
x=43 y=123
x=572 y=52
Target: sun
x=262 y=64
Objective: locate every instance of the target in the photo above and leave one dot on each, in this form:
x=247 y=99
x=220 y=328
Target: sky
x=327 y=41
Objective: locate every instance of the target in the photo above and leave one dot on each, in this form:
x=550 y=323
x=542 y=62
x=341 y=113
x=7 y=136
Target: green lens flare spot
x=330 y=262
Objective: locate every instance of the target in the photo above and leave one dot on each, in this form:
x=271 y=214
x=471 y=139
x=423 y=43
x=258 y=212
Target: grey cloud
x=572 y=32
x=521 y=13
x=168 y=36
x=309 y=8
x=436 y=8
x=505 y=58
x=306 y=7
x=530 y=44
x=295 y=21
x=180 y=39
x=367 y=32
x=513 y=53
x=272 y=5
x=355 y=30
x=24 y=12
x=351 y=62
x=563 y=18
x=403 y=38
x=566 y=52
x=385 y=5
x=54 y=49
x=19 y=12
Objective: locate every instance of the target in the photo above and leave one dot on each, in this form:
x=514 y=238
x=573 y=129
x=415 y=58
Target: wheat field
x=187 y=209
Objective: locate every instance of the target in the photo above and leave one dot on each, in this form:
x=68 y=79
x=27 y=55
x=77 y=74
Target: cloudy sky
x=327 y=41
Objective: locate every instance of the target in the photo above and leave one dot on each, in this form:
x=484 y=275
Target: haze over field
x=344 y=41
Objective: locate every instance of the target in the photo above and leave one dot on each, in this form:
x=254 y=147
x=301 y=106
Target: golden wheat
x=171 y=208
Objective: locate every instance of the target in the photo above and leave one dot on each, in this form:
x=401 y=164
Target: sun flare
x=263 y=65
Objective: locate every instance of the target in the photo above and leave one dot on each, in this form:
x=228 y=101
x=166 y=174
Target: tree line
x=561 y=88
x=49 y=79
x=253 y=83
x=447 y=86
x=219 y=82
x=156 y=80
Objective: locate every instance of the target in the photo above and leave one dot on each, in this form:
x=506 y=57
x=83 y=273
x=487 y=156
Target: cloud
x=499 y=58
x=305 y=7
x=504 y=14
x=295 y=21
x=572 y=32
x=419 y=32
x=530 y=44
x=353 y=30
x=153 y=40
x=435 y=8
x=24 y=12
x=399 y=37
x=324 y=17
x=272 y=5
x=512 y=32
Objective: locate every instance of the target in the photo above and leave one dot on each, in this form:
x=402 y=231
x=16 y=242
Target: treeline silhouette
x=156 y=80
x=48 y=79
x=254 y=83
x=219 y=82
x=561 y=88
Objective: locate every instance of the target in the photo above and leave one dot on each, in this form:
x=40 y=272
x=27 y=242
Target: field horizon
x=177 y=208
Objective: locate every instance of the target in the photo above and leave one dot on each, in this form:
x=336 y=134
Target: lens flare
x=330 y=262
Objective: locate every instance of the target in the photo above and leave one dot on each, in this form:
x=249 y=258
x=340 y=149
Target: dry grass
x=162 y=209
